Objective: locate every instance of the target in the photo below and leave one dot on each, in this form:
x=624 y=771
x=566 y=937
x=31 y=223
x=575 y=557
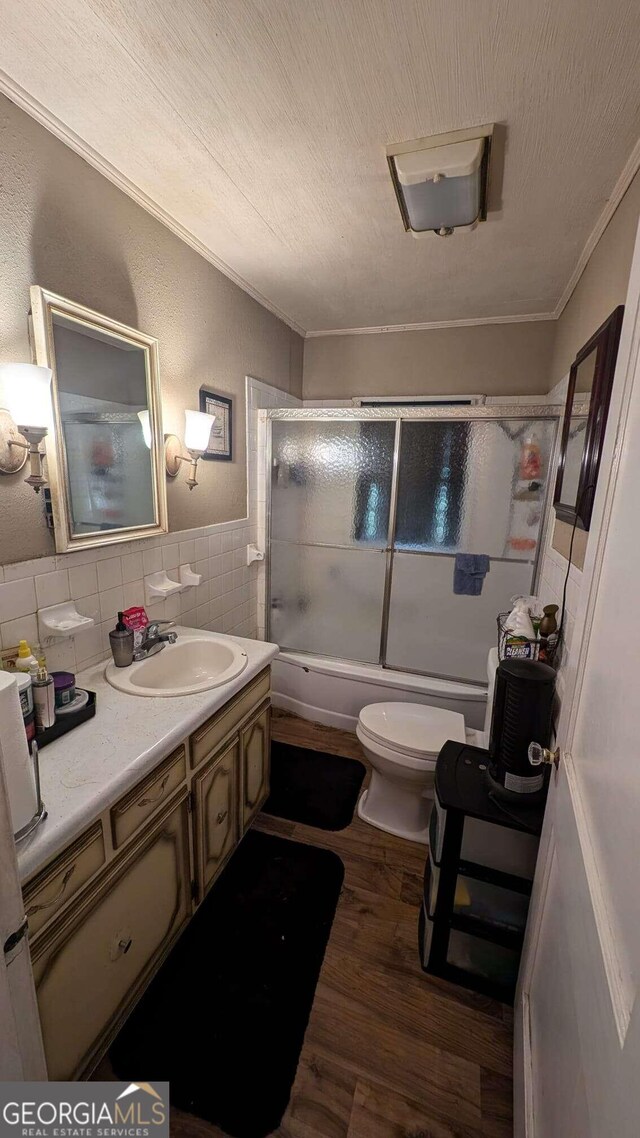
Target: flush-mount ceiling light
x=441 y=182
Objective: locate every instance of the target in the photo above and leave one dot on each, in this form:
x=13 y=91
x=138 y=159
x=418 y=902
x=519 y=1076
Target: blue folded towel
x=469 y=573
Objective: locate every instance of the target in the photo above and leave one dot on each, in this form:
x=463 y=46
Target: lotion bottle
x=25 y=659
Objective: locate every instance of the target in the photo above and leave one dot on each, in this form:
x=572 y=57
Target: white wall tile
x=111 y=603
x=22 y=628
x=170 y=556
x=52 y=588
x=172 y=607
x=109 y=573
x=89 y=606
x=87 y=645
x=132 y=568
x=152 y=561
x=83 y=581
x=187 y=552
x=29 y=568
x=133 y=593
x=17 y=598
x=61 y=656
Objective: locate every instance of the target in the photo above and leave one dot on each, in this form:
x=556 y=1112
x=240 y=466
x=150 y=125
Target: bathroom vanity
x=146 y=803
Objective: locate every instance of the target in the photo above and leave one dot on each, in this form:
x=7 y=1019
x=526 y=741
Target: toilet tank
x=492 y=666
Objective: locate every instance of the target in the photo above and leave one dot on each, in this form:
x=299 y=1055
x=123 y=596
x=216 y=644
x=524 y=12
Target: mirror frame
x=44 y=305
x=605 y=343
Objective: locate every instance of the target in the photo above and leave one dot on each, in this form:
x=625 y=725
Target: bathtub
x=334 y=692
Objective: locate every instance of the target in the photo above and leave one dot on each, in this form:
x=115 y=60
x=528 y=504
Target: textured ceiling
x=260 y=126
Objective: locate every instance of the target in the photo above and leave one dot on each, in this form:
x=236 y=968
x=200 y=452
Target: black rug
x=313 y=787
x=224 y=1019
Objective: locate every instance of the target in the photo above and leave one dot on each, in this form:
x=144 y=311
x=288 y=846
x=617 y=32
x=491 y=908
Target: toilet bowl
x=402 y=742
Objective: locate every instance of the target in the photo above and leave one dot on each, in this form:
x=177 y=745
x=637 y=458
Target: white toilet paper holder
x=41 y=811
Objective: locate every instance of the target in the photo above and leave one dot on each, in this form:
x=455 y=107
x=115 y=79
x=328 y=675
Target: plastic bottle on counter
x=25 y=659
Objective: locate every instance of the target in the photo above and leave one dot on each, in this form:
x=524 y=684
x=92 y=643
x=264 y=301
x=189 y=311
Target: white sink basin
x=197 y=662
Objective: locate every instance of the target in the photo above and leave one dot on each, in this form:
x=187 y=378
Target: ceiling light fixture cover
x=441 y=182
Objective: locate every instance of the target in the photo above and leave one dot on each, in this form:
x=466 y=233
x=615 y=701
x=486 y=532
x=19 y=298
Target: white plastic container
x=25 y=660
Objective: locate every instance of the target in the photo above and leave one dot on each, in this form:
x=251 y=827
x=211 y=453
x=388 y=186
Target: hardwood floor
x=389 y=1052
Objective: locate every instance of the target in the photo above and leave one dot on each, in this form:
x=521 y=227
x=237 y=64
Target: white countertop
x=91 y=767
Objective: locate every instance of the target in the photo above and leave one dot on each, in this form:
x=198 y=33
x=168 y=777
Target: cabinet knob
x=125 y=945
x=221 y=816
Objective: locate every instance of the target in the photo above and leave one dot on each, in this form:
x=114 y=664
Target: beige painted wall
x=602 y=286
x=491 y=359
x=67 y=228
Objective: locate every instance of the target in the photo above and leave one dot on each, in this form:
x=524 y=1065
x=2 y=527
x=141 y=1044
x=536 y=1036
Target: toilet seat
x=410 y=730
x=402 y=758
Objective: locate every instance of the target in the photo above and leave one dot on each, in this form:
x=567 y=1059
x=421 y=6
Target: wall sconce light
x=441 y=182
x=197 y=432
x=25 y=415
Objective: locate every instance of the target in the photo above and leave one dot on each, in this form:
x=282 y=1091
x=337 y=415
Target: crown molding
x=16 y=94
x=629 y=172
x=431 y=325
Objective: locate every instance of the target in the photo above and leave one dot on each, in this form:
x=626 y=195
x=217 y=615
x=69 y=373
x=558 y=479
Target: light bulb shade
x=145 y=423
x=25 y=391
x=442 y=182
x=197 y=430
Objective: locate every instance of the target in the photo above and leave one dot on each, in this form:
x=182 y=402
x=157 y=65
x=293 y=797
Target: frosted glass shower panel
x=327 y=600
x=331 y=482
x=432 y=630
x=474 y=486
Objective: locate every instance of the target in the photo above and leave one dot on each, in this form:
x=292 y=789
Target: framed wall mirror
x=105 y=453
x=585 y=420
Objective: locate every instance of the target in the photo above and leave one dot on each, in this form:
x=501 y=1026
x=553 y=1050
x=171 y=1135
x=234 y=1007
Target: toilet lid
x=412 y=727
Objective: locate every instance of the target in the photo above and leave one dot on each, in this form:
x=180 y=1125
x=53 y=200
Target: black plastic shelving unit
x=473 y=943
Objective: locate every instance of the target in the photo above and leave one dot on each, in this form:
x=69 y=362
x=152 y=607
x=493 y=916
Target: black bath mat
x=224 y=1019
x=313 y=787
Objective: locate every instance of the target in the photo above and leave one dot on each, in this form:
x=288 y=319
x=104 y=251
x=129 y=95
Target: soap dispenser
x=121 y=640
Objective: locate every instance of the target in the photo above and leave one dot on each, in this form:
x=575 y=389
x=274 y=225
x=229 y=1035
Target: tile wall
x=102 y=581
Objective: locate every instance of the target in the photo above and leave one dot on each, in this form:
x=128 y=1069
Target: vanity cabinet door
x=216 y=815
x=94 y=959
x=255 y=757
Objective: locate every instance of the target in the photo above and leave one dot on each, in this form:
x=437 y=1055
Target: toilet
x=402 y=742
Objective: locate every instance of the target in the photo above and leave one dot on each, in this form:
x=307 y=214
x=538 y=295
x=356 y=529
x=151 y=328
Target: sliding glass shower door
x=367 y=516
x=330 y=503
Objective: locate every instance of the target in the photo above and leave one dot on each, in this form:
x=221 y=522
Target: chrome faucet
x=153 y=640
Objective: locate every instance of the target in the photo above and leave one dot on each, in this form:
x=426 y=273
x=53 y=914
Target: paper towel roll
x=14 y=755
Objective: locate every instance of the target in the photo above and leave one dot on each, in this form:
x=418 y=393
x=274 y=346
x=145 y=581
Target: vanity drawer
x=205 y=740
x=45 y=895
x=90 y=964
x=132 y=811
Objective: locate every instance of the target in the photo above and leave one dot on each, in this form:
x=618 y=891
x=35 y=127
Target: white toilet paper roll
x=14 y=755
